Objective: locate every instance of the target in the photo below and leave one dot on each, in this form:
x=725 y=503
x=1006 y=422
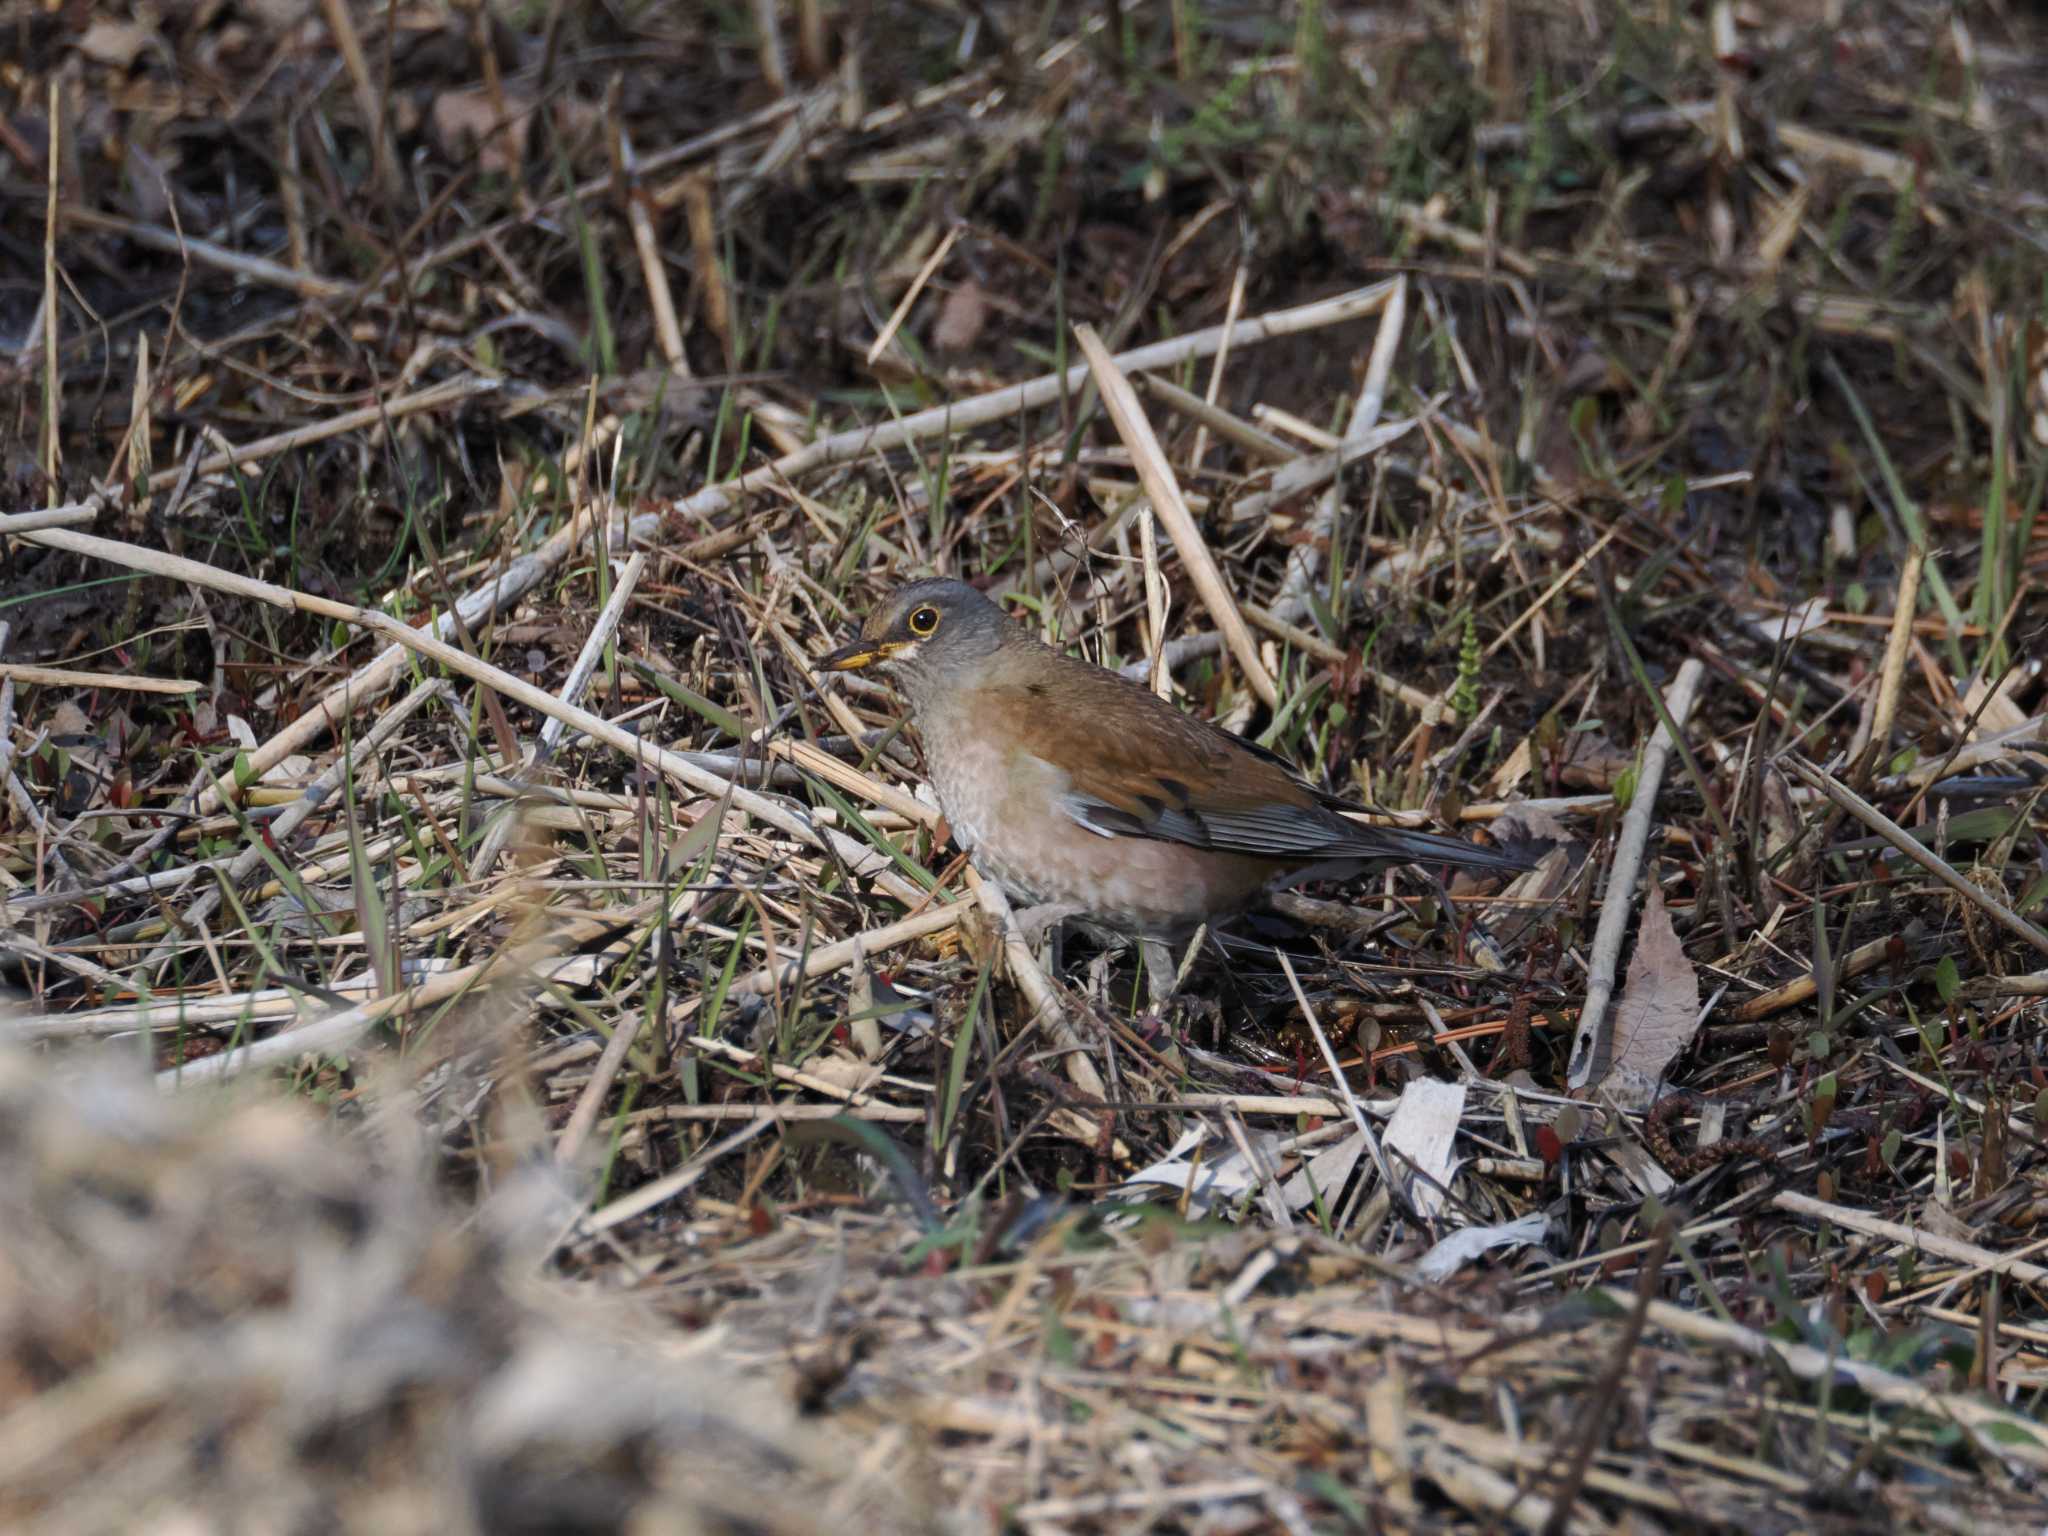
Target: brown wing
x=1134 y=766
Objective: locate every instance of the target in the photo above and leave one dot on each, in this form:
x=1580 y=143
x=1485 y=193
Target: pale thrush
x=1073 y=787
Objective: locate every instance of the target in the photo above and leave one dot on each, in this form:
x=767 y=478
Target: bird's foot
x=1162 y=971
x=1185 y=1016
x=1039 y=928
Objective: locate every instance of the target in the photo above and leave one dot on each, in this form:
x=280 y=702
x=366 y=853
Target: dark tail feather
x=1433 y=848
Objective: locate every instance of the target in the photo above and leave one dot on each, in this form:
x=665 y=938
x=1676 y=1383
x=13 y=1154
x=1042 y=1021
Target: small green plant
x=1465 y=691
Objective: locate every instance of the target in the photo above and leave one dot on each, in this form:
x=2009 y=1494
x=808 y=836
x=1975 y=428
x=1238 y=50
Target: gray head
x=927 y=636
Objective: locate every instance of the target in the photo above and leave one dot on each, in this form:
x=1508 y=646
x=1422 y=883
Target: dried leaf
x=1424 y=1126
x=1592 y=762
x=843 y=1071
x=1658 y=1012
x=114 y=43
x=1221 y=1177
x=1468 y=1243
x=1324 y=1174
x=1777 y=628
x=465 y=115
x=962 y=318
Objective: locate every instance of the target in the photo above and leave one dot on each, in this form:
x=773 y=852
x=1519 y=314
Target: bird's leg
x=1039 y=927
x=1161 y=973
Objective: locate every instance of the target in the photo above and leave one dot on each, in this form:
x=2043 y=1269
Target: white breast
x=968 y=776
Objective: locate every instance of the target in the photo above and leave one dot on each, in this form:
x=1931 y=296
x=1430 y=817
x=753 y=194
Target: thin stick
x=897 y=316
x=647 y=246
x=1343 y=1083
x=370 y=417
x=53 y=387
x=1953 y=1248
x=1003 y=404
x=590 y=1102
x=2018 y=1437
x=832 y=957
x=1847 y=799
x=336 y=1031
x=1865 y=755
x=1589 y=1045
x=1312 y=644
x=316 y=795
x=500 y=831
x=63 y=677
x=1155 y=601
x=49 y=517
x=1260 y=445
x=1231 y=311
x=1552 y=590
x=666 y=1188
x=1156 y=475
x=341 y=26
x=1037 y=988
x=671 y=765
x=1305 y=562
x=1803 y=988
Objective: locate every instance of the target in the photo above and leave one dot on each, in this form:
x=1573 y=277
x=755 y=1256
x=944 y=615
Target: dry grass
x=445 y=435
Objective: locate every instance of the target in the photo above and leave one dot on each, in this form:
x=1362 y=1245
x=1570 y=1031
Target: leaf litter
x=652 y=1128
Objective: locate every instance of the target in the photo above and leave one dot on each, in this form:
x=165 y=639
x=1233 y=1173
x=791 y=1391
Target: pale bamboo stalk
x=832 y=957
x=49 y=517
x=64 y=677
x=1954 y=1249
x=1156 y=475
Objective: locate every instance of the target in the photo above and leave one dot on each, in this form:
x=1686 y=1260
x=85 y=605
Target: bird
x=1079 y=791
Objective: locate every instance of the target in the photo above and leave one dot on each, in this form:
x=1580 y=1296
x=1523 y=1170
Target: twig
x=1589 y=1045
x=901 y=312
x=1802 y=988
x=666 y=1188
x=537 y=755
x=1847 y=799
x=50 y=517
x=1156 y=475
x=832 y=957
x=1866 y=754
x=1004 y=404
x=1337 y=1077
x=1305 y=561
x=1598 y=1403
x=2015 y=1436
x=1953 y=1248
x=1037 y=988
x=62 y=677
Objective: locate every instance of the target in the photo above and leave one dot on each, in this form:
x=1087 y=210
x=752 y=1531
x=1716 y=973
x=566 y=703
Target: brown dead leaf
x=1658 y=1011
x=116 y=44
x=1788 y=849
x=1592 y=762
x=463 y=116
x=960 y=321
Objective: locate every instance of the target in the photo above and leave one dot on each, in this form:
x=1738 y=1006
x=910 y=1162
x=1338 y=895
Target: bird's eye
x=924 y=620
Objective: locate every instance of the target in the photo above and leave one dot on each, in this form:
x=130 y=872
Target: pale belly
x=1009 y=821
